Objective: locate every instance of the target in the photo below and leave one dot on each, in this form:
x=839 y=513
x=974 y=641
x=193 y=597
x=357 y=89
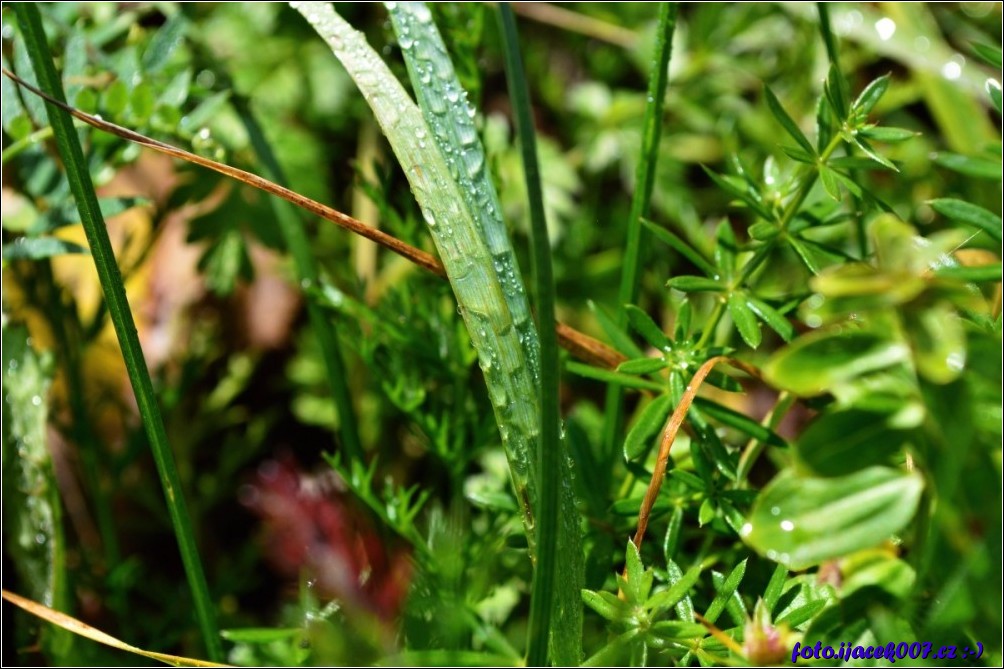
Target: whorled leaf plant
x=440 y=153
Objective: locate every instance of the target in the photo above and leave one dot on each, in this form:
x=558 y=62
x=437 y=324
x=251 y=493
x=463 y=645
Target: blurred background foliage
x=242 y=382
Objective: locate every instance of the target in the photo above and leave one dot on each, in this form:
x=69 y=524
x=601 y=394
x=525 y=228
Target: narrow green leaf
x=725 y=592
x=799 y=155
x=693 y=284
x=830 y=182
x=981 y=274
x=35 y=248
x=787 y=122
x=994 y=91
x=971 y=166
x=78 y=174
x=738 y=188
x=725 y=250
x=802 y=614
x=621 y=340
x=887 y=134
x=671 y=543
x=650 y=420
x=164 y=42
x=989 y=53
x=836 y=93
x=681 y=247
x=606 y=604
x=772 y=593
x=772 y=317
x=745 y=320
x=970 y=214
x=642 y=365
x=800 y=522
x=647 y=328
x=738 y=421
x=607 y=376
x=871 y=94
x=684 y=607
x=869 y=151
x=672 y=595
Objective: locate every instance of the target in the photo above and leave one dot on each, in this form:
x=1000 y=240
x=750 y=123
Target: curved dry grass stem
x=669 y=433
x=580 y=345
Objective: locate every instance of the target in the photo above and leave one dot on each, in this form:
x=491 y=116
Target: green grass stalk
x=30 y=22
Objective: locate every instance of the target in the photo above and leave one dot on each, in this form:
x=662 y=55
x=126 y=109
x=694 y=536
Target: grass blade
x=644 y=182
x=555 y=532
x=306 y=270
x=110 y=278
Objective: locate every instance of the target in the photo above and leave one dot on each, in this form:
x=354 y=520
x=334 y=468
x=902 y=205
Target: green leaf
x=738 y=421
x=802 y=614
x=870 y=96
x=35 y=248
x=787 y=122
x=772 y=317
x=981 y=274
x=772 y=593
x=887 y=134
x=261 y=634
x=647 y=328
x=738 y=188
x=970 y=214
x=675 y=593
x=829 y=181
x=163 y=44
x=618 y=337
x=869 y=151
x=745 y=320
x=938 y=340
x=843 y=442
x=606 y=604
x=684 y=607
x=725 y=250
x=650 y=420
x=800 y=522
x=836 y=93
x=693 y=284
x=994 y=91
x=607 y=376
x=642 y=365
x=818 y=362
x=681 y=247
x=971 y=166
x=725 y=592
x=989 y=53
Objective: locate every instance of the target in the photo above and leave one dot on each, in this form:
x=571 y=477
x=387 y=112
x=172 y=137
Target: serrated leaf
x=800 y=522
x=644 y=365
x=35 y=248
x=818 y=362
x=650 y=420
x=787 y=122
x=693 y=284
x=970 y=214
x=647 y=328
x=745 y=320
x=872 y=93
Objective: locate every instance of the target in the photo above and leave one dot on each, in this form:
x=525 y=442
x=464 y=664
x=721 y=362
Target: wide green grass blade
x=110 y=277
x=640 y=201
x=554 y=599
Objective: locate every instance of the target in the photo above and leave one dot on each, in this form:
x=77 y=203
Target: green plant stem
x=30 y=22
x=321 y=324
x=549 y=449
x=786 y=218
x=640 y=201
x=756 y=447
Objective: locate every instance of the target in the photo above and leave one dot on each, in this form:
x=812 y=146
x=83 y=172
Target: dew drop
x=775 y=511
x=787 y=525
x=886 y=28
